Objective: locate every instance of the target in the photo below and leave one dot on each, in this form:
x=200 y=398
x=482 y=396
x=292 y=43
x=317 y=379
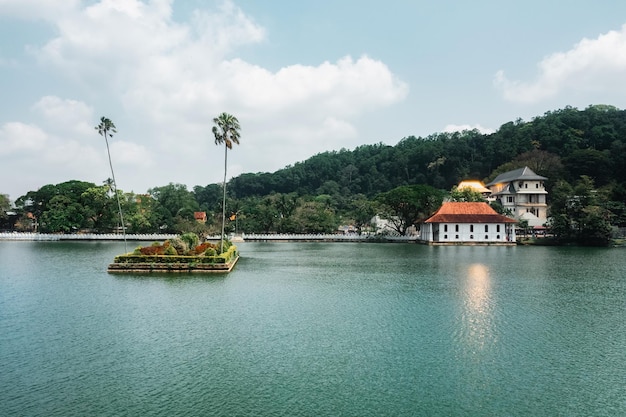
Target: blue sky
x=302 y=77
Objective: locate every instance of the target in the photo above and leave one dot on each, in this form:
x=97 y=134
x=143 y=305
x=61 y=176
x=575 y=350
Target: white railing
x=27 y=236
x=326 y=237
x=83 y=236
x=258 y=237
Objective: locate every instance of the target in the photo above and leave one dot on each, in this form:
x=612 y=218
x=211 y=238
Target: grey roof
x=523 y=174
x=509 y=189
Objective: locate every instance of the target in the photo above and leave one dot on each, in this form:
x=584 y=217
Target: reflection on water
x=477 y=315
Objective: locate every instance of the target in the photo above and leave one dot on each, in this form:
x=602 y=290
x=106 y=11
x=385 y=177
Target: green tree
x=578 y=214
x=38 y=202
x=313 y=217
x=5 y=206
x=174 y=206
x=523 y=225
x=98 y=208
x=591 y=162
x=499 y=208
x=106 y=128
x=139 y=213
x=209 y=198
x=226 y=132
x=363 y=210
x=404 y=206
x=63 y=215
x=467 y=195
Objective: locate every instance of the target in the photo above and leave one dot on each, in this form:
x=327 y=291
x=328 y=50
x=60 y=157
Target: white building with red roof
x=467 y=223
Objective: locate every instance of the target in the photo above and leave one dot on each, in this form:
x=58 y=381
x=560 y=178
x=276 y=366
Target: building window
x=445 y=227
x=498 y=237
x=445 y=237
x=471 y=236
x=498 y=228
x=456 y=237
x=456 y=227
x=510 y=199
x=471 y=228
x=486 y=228
x=486 y=237
x=536 y=185
x=525 y=185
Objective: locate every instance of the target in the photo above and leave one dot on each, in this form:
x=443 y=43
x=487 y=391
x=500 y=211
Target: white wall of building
x=467 y=232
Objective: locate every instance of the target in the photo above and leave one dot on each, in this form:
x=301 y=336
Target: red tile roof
x=453 y=212
x=200 y=215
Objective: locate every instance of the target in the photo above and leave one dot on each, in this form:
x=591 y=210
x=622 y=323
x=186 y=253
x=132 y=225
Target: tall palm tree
x=226 y=131
x=106 y=128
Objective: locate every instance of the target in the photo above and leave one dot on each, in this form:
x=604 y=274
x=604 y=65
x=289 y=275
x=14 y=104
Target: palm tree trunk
x=119 y=206
x=224 y=199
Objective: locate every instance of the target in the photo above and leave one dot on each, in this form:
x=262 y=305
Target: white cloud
x=162 y=81
x=227 y=29
x=65 y=115
x=460 y=128
x=591 y=65
x=37 y=157
x=17 y=138
x=166 y=70
x=36 y=9
x=132 y=155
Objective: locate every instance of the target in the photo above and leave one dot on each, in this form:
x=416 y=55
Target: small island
x=180 y=254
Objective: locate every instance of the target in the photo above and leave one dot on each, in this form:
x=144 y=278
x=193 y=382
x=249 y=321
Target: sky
x=302 y=77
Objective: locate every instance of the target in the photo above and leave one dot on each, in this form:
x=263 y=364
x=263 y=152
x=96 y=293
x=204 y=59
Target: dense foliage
x=348 y=187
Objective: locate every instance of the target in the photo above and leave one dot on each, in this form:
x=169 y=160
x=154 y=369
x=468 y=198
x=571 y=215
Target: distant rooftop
x=523 y=174
x=475 y=185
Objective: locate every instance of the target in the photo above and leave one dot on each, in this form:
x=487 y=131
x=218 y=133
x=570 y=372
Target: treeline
x=590 y=142
x=351 y=186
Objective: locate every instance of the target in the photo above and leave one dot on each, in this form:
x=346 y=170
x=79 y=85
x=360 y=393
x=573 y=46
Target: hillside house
x=200 y=216
x=467 y=223
x=523 y=193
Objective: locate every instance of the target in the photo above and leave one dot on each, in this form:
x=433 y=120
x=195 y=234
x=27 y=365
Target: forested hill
x=561 y=144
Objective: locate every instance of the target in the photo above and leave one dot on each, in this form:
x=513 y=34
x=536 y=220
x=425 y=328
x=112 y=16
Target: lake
x=315 y=329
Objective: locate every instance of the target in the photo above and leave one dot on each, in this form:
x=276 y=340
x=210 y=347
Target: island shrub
x=206 y=252
x=170 y=251
x=203 y=247
x=191 y=239
x=227 y=245
x=152 y=250
x=220 y=258
x=180 y=245
x=156 y=248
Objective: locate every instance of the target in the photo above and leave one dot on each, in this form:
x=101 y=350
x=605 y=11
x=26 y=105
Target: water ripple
x=315 y=329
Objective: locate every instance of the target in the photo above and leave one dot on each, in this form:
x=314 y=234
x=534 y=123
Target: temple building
x=457 y=223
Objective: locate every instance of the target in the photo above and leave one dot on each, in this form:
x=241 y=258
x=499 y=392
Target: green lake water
x=315 y=329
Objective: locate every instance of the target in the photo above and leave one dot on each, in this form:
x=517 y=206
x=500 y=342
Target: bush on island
x=185 y=245
x=191 y=239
